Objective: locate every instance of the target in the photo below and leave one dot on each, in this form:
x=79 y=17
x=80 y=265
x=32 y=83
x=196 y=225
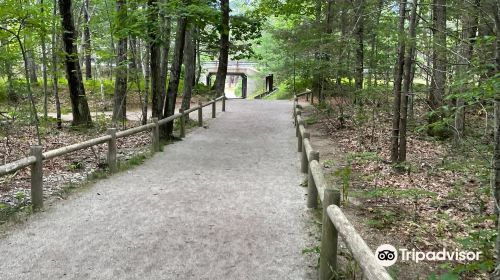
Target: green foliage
x=93 y=86
x=395 y=193
x=344 y=174
x=482 y=240
x=76 y=165
x=384 y=219
x=364 y=157
x=446 y=276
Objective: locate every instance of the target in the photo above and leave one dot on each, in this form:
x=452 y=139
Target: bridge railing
x=265 y=94
x=232 y=63
x=334 y=221
x=37 y=156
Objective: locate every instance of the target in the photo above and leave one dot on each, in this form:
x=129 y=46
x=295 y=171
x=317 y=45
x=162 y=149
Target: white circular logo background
x=386 y=255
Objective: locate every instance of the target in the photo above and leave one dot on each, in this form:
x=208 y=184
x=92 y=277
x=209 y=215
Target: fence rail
x=265 y=94
x=35 y=160
x=334 y=221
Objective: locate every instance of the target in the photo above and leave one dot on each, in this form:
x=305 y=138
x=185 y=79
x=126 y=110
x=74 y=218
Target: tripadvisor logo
x=388 y=255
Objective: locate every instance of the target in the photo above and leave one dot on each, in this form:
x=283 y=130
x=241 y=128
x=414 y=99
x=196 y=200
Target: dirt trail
x=225 y=203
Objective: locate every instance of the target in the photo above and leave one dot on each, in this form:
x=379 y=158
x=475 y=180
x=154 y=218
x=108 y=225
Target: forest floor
x=223 y=203
x=439 y=199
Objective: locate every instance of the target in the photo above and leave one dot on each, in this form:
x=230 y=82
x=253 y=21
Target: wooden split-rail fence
x=334 y=221
x=37 y=156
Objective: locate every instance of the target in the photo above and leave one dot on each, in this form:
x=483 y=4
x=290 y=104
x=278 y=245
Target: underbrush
x=439 y=198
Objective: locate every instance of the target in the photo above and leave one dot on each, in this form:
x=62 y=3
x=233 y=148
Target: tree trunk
x=133 y=56
x=438 y=79
x=190 y=68
x=469 y=29
x=410 y=52
x=495 y=171
x=398 y=78
x=44 y=67
x=147 y=82
x=317 y=70
x=30 y=56
x=359 y=51
x=166 y=27
x=373 y=45
x=55 y=76
x=120 y=96
x=198 y=55
x=12 y=96
x=175 y=74
x=86 y=40
x=79 y=105
x=155 y=60
x=220 y=80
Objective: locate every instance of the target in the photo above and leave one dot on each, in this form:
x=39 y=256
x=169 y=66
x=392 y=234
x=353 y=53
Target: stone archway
x=244 y=87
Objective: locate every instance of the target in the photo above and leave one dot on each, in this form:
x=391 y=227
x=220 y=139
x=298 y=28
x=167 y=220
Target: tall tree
x=495 y=170
x=120 y=96
x=147 y=83
x=43 y=35
x=359 y=34
x=317 y=88
x=79 y=105
x=154 y=42
x=439 y=61
x=408 y=61
x=469 y=30
x=175 y=74
x=87 y=48
x=220 y=80
x=55 y=68
x=166 y=30
x=190 y=68
x=32 y=67
x=398 y=80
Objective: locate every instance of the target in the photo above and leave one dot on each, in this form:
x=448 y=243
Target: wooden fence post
x=307 y=96
x=183 y=124
x=200 y=114
x=214 y=109
x=329 y=238
x=224 y=102
x=299 y=144
x=312 y=191
x=304 y=164
x=37 y=178
x=297 y=130
x=155 y=136
x=112 y=163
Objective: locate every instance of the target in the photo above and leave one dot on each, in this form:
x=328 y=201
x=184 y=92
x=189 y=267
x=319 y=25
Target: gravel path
x=225 y=203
